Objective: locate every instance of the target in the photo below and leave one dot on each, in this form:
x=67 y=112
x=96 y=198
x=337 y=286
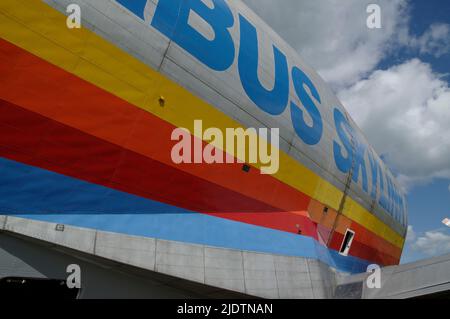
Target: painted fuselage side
x=84 y=140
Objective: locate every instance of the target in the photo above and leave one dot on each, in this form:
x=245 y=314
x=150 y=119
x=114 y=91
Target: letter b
x=172 y=18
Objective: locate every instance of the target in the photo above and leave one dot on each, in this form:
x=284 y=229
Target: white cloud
x=435 y=41
x=405 y=110
x=332 y=35
x=405 y=113
x=411 y=234
x=432 y=243
x=424 y=245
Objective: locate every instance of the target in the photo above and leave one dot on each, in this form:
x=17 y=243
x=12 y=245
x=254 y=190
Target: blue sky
x=428 y=204
x=423 y=14
x=395 y=82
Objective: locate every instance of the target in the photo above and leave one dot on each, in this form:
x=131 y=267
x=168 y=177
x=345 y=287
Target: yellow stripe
x=41 y=30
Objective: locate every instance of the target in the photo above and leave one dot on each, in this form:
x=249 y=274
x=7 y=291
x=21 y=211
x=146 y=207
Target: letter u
x=272 y=101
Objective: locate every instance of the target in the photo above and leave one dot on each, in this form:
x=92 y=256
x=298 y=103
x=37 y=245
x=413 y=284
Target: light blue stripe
x=38 y=194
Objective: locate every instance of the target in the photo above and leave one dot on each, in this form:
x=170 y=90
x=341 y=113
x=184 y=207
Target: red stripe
x=363 y=250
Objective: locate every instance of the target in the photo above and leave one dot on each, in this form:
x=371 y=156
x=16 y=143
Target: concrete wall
x=250 y=273
x=116 y=265
x=418 y=279
x=23 y=258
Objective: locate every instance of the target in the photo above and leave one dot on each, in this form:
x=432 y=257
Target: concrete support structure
x=229 y=271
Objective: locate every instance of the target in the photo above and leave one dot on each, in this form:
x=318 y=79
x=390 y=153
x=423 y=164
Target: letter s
x=344 y=131
x=311 y=135
x=172 y=19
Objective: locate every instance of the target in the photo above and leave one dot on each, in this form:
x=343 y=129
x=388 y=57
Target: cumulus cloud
x=332 y=35
x=432 y=243
x=425 y=244
x=410 y=235
x=435 y=41
x=405 y=113
x=405 y=110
